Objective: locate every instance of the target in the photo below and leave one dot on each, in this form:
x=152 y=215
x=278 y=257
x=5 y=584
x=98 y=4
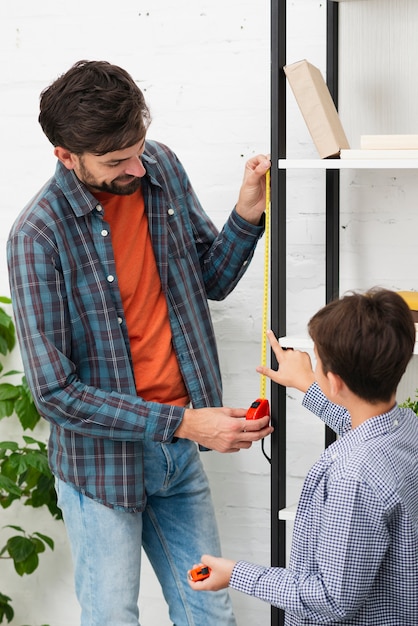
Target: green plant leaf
x=11 y=373
x=9 y=395
x=5 y=608
x=9 y=392
x=8 y=466
x=43 y=493
x=20 y=548
x=7 y=332
x=28 y=566
x=19 y=462
x=24 y=471
x=6 y=408
x=7 y=485
x=39 y=545
x=24 y=552
x=411 y=404
x=46 y=539
x=35 y=459
x=6 y=501
x=29 y=479
x=18 y=528
x=26 y=410
x=53 y=506
x=8 y=399
x=30 y=440
x=9 y=445
x=13 y=465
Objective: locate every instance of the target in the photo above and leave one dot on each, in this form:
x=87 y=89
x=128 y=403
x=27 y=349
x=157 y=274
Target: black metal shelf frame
x=279 y=252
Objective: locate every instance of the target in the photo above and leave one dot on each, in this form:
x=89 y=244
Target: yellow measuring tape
x=266 y=286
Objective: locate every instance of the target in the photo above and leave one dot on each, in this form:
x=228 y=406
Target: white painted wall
x=204 y=67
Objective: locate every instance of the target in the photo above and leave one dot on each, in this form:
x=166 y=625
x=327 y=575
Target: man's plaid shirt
x=70 y=320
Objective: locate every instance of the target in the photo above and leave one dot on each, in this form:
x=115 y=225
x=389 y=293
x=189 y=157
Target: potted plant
x=24 y=473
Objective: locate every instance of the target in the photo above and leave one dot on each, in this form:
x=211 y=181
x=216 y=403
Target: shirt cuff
x=314 y=398
x=251 y=229
x=245 y=575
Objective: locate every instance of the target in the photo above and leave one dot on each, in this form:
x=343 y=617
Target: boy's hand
x=294 y=367
x=220 y=575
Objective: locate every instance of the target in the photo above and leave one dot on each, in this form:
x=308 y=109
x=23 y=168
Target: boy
x=354 y=557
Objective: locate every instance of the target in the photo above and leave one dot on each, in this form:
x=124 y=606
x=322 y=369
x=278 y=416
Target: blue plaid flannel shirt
x=354 y=556
x=70 y=320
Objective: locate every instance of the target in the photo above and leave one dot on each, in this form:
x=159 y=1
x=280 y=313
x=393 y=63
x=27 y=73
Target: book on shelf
x=379 y=154
x=317 y=107
x=411 y=299
x=389 y=142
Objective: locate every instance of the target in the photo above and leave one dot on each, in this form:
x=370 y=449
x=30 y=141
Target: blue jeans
x=176 y=528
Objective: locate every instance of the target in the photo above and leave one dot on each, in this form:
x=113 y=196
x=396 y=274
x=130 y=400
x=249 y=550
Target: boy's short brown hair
x=367 y=339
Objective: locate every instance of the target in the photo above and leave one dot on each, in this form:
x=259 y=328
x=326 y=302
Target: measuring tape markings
x=265 y=286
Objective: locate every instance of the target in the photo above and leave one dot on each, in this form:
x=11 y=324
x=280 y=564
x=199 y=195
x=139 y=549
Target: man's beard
x=114 y=186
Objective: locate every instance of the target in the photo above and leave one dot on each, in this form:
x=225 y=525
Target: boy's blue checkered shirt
x=71 y=329
x=354 y=556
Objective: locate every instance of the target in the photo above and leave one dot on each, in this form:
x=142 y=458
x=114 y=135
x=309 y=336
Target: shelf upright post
x=278 y=283
x=279 y=253
x=332 y=197
x=332 y=176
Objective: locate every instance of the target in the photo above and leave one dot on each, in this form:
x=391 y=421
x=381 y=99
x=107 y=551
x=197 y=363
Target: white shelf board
x=348 y=164
x=306 y=344
x=298 y=343
x=289 y=513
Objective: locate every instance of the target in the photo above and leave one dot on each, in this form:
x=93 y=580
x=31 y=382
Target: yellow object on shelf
x=411 y=299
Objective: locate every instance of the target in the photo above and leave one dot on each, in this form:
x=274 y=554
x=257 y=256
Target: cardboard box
x=317 y=108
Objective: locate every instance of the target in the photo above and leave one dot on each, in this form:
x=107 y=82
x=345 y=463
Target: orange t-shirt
x=157 y=373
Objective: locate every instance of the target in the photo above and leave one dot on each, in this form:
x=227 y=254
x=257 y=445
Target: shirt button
x=120 y=320
x=99 y=208
x=170 y=211
x=110 y=278
x=105 y=232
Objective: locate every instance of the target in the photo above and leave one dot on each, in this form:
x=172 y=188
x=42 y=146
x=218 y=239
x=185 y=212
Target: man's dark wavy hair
x=95 y=107
x=367 y=339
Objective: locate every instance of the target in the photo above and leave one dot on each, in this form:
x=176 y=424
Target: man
x=354 y=557
x=111 y=266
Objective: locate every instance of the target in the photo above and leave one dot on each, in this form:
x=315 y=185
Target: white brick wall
x=204 y=67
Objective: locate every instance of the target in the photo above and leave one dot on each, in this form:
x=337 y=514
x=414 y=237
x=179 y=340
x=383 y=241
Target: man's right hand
x=222 y=429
